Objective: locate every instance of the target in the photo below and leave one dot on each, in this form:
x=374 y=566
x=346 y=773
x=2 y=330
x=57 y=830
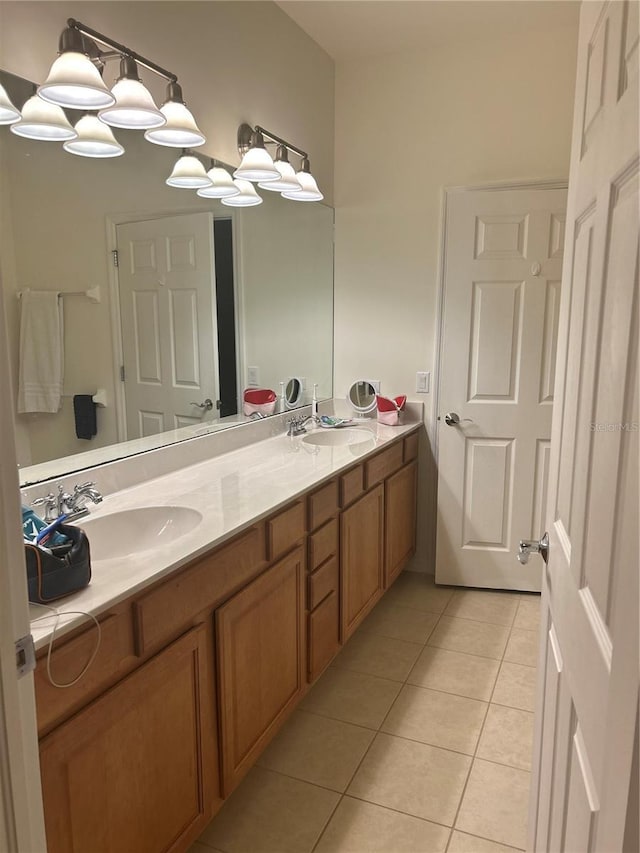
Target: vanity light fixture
x=74 y=80
x=94 y=139
x=246 y=197
x=180 y=130
x=188 y=173
x=9 y=114
x=43 y=121
x=256 y=164
x=222 y=184
x=287 y=182
x=134 y=108
x=308 y=187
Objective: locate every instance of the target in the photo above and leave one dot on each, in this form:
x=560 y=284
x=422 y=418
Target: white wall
x=408 y=125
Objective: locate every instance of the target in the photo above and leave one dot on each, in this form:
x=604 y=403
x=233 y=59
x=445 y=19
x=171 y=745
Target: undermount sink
x=338 y=437
x=123 y=534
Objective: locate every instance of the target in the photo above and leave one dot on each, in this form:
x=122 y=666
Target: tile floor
x=416 y=740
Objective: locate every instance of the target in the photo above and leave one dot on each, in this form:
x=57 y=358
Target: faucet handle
x=49 y=502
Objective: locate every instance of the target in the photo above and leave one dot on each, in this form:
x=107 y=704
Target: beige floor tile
x=463 y=843
x=357 y=827
x=418 y=591
x=516 y=686
x=495 y=804
x=271 y=813
x=522 y=647
x=463 y=635
x=354 y=697
x=455 y=672
x=507 y=737
x=411 y=777
x=528 y=615
x=441 y=719
x=318 y=750
x=498 y=608
x=376 y=655
x=402 y=623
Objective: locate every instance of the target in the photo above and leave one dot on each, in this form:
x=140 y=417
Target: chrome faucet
x=71 y=505
x=297 y=426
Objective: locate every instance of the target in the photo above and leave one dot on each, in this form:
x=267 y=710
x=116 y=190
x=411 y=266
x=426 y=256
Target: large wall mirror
x=205 y=301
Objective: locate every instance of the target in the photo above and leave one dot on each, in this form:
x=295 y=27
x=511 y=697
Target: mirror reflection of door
x=167 y=283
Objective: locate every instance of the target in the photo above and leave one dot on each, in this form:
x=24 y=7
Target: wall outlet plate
x=376 y=385
x=253 y=377
x=423 y=382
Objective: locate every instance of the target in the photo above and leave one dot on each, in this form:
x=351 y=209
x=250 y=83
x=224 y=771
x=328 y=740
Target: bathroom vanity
x=199 y=667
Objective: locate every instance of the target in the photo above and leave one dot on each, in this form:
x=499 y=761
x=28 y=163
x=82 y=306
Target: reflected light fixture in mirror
x=188 y=173
x=180 y=130
x=246 y=197
x=362 y=396
x=94 y=139
x=134 y=108
x=222 y=184
x=287 y=182
x=9 y=114
x=43 y=121
x=74 y=81
x=256 y=164
x=308 y=189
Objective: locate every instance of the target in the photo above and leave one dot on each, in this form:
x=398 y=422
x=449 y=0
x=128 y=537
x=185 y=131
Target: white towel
x=41 y=352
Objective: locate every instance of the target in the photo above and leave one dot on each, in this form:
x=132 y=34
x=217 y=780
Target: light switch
x=423 y=382
x=253 y=377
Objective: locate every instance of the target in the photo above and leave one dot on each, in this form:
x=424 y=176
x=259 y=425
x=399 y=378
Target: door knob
x=452 y=419
x=207 y=405
x=528 y=547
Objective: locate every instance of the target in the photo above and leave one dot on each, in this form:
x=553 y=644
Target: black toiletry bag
x=65 y=570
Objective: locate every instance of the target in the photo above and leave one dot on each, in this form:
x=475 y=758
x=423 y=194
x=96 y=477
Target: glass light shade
x=9 y=114
x=189 y=174
x=75 y=82
x=94 y=139
x=180 y=130
x=247 y=197
x=222 y=184
x=308 y=189
x=257 y=165
x=287 y=181
x=44 y=121
x=134 y=107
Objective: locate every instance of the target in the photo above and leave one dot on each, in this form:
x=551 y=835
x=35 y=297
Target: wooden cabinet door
x=399 y=520
x=362 y=557
x=136 y=770
x=261 y=663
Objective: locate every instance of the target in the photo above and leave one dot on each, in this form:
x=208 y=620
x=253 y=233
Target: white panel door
x=503 y=262
x=167 y=306
x=588 y=688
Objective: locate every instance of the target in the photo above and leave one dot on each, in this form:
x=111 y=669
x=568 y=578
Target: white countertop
x=231 y=491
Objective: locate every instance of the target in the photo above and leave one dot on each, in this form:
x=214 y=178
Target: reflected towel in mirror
x=41 y=370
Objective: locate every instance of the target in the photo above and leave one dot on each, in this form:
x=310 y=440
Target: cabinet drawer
x=351 y=486
x=323 y=504
x=169 y=608
x=324 y=636
x=114 y=658
x=410 y=447
x=323 y=544
x=321 y=582
x=383 y=465
x=284 y=530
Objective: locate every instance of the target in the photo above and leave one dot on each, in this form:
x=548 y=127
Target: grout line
x=473 y=835
x=399 y=811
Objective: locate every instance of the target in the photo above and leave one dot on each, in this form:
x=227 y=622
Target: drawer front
x=410 y=447
x=323 y=504
x=321 y=582
x=285 y=530
x=323 y=544
x=351 y=486
x=324 y=636
x=169 y=608
x=383 y=465
x=115 y=657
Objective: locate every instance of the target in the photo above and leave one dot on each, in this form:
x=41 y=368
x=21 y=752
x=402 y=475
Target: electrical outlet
x=253 y=377
x=376 y=385
x=423 y=382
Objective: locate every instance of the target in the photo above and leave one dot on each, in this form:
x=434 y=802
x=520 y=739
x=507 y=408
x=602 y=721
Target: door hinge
x=25 y=655
x=122 y=373
x=116 y=259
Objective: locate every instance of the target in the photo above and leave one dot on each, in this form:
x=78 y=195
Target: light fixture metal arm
x=121 y=49
x=280 y=141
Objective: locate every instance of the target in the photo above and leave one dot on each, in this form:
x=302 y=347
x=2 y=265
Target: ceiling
x=355 y=29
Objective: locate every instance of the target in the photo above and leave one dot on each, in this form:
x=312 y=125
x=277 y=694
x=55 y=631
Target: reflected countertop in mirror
x=268 y=313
